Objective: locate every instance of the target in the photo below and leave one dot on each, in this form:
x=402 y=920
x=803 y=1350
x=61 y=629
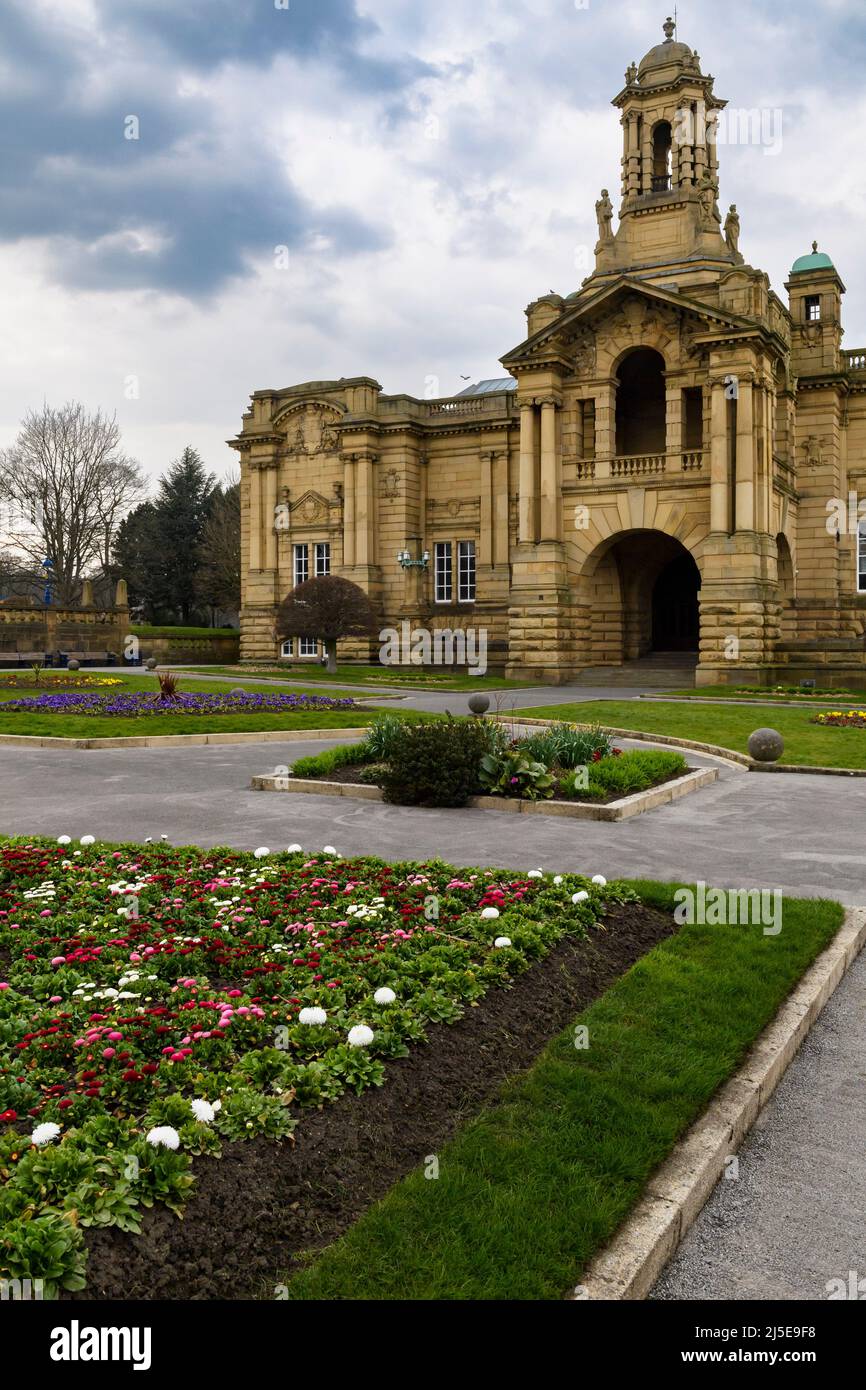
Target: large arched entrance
x=642 y=588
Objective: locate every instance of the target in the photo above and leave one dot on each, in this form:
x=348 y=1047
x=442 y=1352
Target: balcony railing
x=638 y=466
x=643 y=466
x=854 y=360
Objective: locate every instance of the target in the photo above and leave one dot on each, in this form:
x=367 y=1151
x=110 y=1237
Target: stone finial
x=87 y=593
x=814 y=248
x=121 y=598
x=670 y=28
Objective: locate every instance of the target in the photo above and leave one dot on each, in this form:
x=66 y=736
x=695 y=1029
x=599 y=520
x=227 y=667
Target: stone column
x=605 y=428
x=551 y=482
x=269 y=518
x=485 y=535
x=527 y=533
x=720 y=509
x=674 y=423
x=745 y=481
x=255 y=517
x=348 y=513
x=633 y=172
x=364 y=513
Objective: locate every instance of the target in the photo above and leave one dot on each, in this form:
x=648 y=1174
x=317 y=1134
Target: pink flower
x=46 y=913
x=116 y=1037
x=59 y=960
x=4 y=985
x=108 y=1052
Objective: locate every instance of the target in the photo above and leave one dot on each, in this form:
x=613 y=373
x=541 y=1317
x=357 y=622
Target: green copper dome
x=818 y=260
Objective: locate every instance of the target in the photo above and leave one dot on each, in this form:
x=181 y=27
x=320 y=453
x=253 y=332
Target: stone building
x=655 y=481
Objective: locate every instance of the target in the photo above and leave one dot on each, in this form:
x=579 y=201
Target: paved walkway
x=795 y=1218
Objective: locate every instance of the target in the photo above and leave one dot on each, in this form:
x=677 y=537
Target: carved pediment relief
x=310 y=429
x=310 y=508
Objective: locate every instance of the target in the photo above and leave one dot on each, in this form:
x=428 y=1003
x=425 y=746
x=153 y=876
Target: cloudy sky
x=326 y=188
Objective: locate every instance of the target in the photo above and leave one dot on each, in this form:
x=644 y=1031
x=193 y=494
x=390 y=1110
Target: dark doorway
x=640 y=404
x=676 y=614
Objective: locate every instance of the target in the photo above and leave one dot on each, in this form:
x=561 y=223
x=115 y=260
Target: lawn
x=727 y=725
x=109 y=726
x=411 y=678
x=533 y=1187
x=776 y=695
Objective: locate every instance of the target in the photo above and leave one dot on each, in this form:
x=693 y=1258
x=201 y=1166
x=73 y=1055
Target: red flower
x=8 y=1116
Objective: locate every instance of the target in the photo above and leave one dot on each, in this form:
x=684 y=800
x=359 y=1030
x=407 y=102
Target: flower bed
x=135 y=704
x=837 y=719
x=156 y=1002
x=59 y=680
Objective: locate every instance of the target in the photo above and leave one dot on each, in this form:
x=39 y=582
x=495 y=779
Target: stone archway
x=642 y=591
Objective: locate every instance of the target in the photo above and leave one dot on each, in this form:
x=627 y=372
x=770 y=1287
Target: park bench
x=102 y=658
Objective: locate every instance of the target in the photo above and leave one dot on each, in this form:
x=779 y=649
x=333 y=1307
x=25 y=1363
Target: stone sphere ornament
x=766 y=746
x=239 y=690
x=151 y=663
x=479 y=704
x=73 y=665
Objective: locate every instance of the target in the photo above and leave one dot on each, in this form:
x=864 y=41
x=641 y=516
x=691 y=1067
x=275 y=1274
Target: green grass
x=771 y=696
x=106 y=726
x=727 y=725
x=532 y=1188
x=379 y=675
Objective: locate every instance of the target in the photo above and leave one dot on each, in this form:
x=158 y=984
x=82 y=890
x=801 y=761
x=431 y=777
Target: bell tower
x=669 y=210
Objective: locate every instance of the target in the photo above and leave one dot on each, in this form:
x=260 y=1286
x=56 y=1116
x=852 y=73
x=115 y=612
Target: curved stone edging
x=623 y=809
x=725 y=755
x=184 y=740
x=629 y=1266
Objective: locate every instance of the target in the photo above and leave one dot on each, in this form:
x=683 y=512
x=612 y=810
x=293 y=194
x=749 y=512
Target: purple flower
x=135 y=704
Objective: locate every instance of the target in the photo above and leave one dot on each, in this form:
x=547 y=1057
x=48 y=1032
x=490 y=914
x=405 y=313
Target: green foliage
x=381 y=737
x=632 y=772
x=318 y=767
x=564 y=745
x=47 y=1247
x=513 y=774
x=435 y=764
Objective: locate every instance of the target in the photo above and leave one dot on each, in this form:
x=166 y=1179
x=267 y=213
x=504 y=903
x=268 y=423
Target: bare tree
x=326 y=609
x=218 y=580
x=66 y=483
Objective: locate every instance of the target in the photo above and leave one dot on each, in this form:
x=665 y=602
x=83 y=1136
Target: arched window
x=662 y=142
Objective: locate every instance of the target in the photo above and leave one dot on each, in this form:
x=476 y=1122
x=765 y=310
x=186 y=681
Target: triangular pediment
x=310 y=508
x=627 y=297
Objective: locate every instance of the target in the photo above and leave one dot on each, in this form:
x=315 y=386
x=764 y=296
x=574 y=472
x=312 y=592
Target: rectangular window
x=323 y=559
x=308 y=647
x=466 y=571
x=286 y=649
x=302 y=564
x=443 y=572
x=861 y=558
x=813 y=308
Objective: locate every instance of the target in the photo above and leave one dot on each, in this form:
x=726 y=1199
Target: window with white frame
x=287 y=649
x=466 y=571
x=861 y=558
x=443 y=572
x=323 y=559
x=301 y=564
x=308 y=646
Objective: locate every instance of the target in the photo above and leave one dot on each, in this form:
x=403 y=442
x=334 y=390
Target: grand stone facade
x=659 y=472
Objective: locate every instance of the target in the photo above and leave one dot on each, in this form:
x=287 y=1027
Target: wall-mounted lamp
x=404 y=559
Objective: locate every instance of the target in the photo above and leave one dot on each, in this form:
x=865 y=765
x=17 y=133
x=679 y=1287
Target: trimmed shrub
x=435 y=764
x=318 y=767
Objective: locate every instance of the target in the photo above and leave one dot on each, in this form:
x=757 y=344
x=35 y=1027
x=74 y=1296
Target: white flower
x=361 y=1035
x=385 y=996
x=535 y=873
x=163 y=1135
x=329 y=849
x=599 y=881
x=217 y=1105
x=295 y=849
x=558 y=880
x=581 y=897
x=502 y=942
x=87 y=840
x=203 y=1110
x=64 y=839
x=312 y=1018
x=262 y=853
x=490 y=914
x=44 y=1133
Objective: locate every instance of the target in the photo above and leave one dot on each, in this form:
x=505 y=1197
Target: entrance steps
x=659 y=670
